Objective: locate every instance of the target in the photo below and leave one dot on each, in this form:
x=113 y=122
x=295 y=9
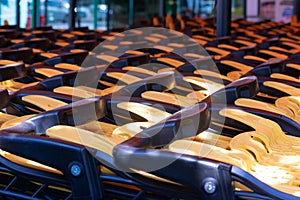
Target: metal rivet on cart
x=75 y=170
x=209 y=187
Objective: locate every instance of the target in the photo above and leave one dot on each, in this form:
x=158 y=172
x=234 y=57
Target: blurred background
x=104 y=14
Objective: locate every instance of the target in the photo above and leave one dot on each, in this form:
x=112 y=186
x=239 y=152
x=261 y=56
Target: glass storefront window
x=8 y=12
x=145 y=10
x=206 y=8
x=101 y=13
x=91 y=14
x=54 y=13
x=267 y=9
x=119 y=13
x=85 y=11
x=25 y=13
x=237 y=8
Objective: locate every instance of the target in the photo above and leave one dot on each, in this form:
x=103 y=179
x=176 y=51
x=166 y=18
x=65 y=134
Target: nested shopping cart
x=56 y=169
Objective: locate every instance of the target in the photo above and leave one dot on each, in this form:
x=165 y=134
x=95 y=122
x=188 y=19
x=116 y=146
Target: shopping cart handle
x=24 y=54
x=4 y=97
x=273 y=91
x=133 y=60
x=249 y=50
x=46 y=33
x=57 y=154
x=40 y=43
x=71 y=58
x=10 y=33
x=139 y=153
x=246 y=87
x=12 y=71
x=291 y=71
x=85 y=76
x=266 y=69
x=205 y=63
x=17 y=100
x=184 y=123
x=85 y=45
x=160 y=82
x=190 y=171
x=76 y=113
